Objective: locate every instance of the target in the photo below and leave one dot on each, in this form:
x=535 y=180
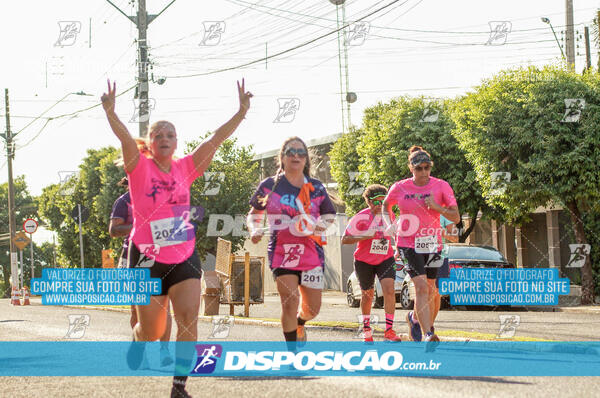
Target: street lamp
x=547 y=20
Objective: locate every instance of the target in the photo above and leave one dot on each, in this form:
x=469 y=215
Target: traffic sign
x=21 y=240
x=107 y=259
x=30 y=225
x=85 y=214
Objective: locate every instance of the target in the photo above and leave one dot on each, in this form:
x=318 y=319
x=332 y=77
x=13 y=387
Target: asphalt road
x=563 y=326
x=37 y=323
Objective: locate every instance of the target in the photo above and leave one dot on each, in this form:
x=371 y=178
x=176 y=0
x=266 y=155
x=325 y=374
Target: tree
x=522 y=121
x=225 y=189
x=96 y=189
x=344 y=164
x=380 y=151
x=596 y=34
x=24 y=208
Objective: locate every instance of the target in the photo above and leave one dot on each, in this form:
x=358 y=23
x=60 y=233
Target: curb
x=257 y=322
x=260 y=322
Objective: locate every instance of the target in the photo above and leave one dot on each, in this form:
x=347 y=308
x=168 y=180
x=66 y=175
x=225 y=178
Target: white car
x=354 y=293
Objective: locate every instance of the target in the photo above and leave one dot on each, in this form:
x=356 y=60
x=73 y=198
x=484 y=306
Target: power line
x=72 y=114
x=282 y=52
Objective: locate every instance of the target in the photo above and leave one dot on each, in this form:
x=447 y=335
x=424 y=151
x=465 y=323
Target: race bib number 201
x=314 y=278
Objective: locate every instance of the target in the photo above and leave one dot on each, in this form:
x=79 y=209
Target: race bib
x=314 y=278
x=426 y=244
x=170 y=231
x=380 y=246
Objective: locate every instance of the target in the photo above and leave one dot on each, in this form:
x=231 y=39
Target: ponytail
x=142 y=145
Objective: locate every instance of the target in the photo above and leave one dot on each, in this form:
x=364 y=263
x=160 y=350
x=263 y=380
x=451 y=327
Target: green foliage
x=380 y=151
x=345 y=163
x=240 y=177
x=591 y=223
x=515 y=122
x=95 y=189
x=512 y=123
x=25 y=207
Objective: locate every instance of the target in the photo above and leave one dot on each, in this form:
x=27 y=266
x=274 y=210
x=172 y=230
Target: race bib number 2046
x=379 y=246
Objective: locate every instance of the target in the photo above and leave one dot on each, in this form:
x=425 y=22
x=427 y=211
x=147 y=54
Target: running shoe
x=179 y=392
x=432 y=341
x=368 y=337
x=414 y=328
x=135 y=354
x=391 y=337
x=301 y=335
x=165 y=357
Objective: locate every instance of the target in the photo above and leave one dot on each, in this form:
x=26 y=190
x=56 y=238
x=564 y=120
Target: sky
x=430 y=48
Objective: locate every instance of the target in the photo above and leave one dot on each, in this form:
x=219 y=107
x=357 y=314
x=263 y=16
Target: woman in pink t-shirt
x=374 y=255
x=162 y=237
x=420 y=200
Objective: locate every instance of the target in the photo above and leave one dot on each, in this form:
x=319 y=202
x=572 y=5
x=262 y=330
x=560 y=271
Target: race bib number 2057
x=426 y=244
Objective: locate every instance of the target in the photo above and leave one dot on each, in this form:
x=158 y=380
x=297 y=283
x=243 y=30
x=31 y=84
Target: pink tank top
x=161 y=209
x=371 y=251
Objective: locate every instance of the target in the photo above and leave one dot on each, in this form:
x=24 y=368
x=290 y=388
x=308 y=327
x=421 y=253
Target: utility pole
x=588 y=57
x=343 y=62
x=142 y=25
x=11 y=191
x=141 y=21
x=570 y=35
x=54 y=250
x=80 y=235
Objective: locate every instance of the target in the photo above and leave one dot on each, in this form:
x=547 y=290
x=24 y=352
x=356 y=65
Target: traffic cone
x=26 y=296
x=14 y=297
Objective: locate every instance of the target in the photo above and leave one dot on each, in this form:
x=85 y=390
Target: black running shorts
x=366 y=272
x=420 y=263
x=170 y=274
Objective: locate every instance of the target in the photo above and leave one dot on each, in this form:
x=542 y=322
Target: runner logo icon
x=292 y=255
x=207 y=358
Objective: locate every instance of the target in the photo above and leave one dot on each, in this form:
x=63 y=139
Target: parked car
x=459 y=255
x=354 y=293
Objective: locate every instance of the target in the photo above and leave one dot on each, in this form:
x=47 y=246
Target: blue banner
x=96 y=286
x=493 y=286
x=339 y=358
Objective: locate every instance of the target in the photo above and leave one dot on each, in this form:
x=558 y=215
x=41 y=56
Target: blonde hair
x=143 y=144
x=160 y=124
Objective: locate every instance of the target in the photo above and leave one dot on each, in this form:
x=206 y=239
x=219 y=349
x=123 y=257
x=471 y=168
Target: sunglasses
x=425 y=168
x=376 y=202
x=301 y=152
